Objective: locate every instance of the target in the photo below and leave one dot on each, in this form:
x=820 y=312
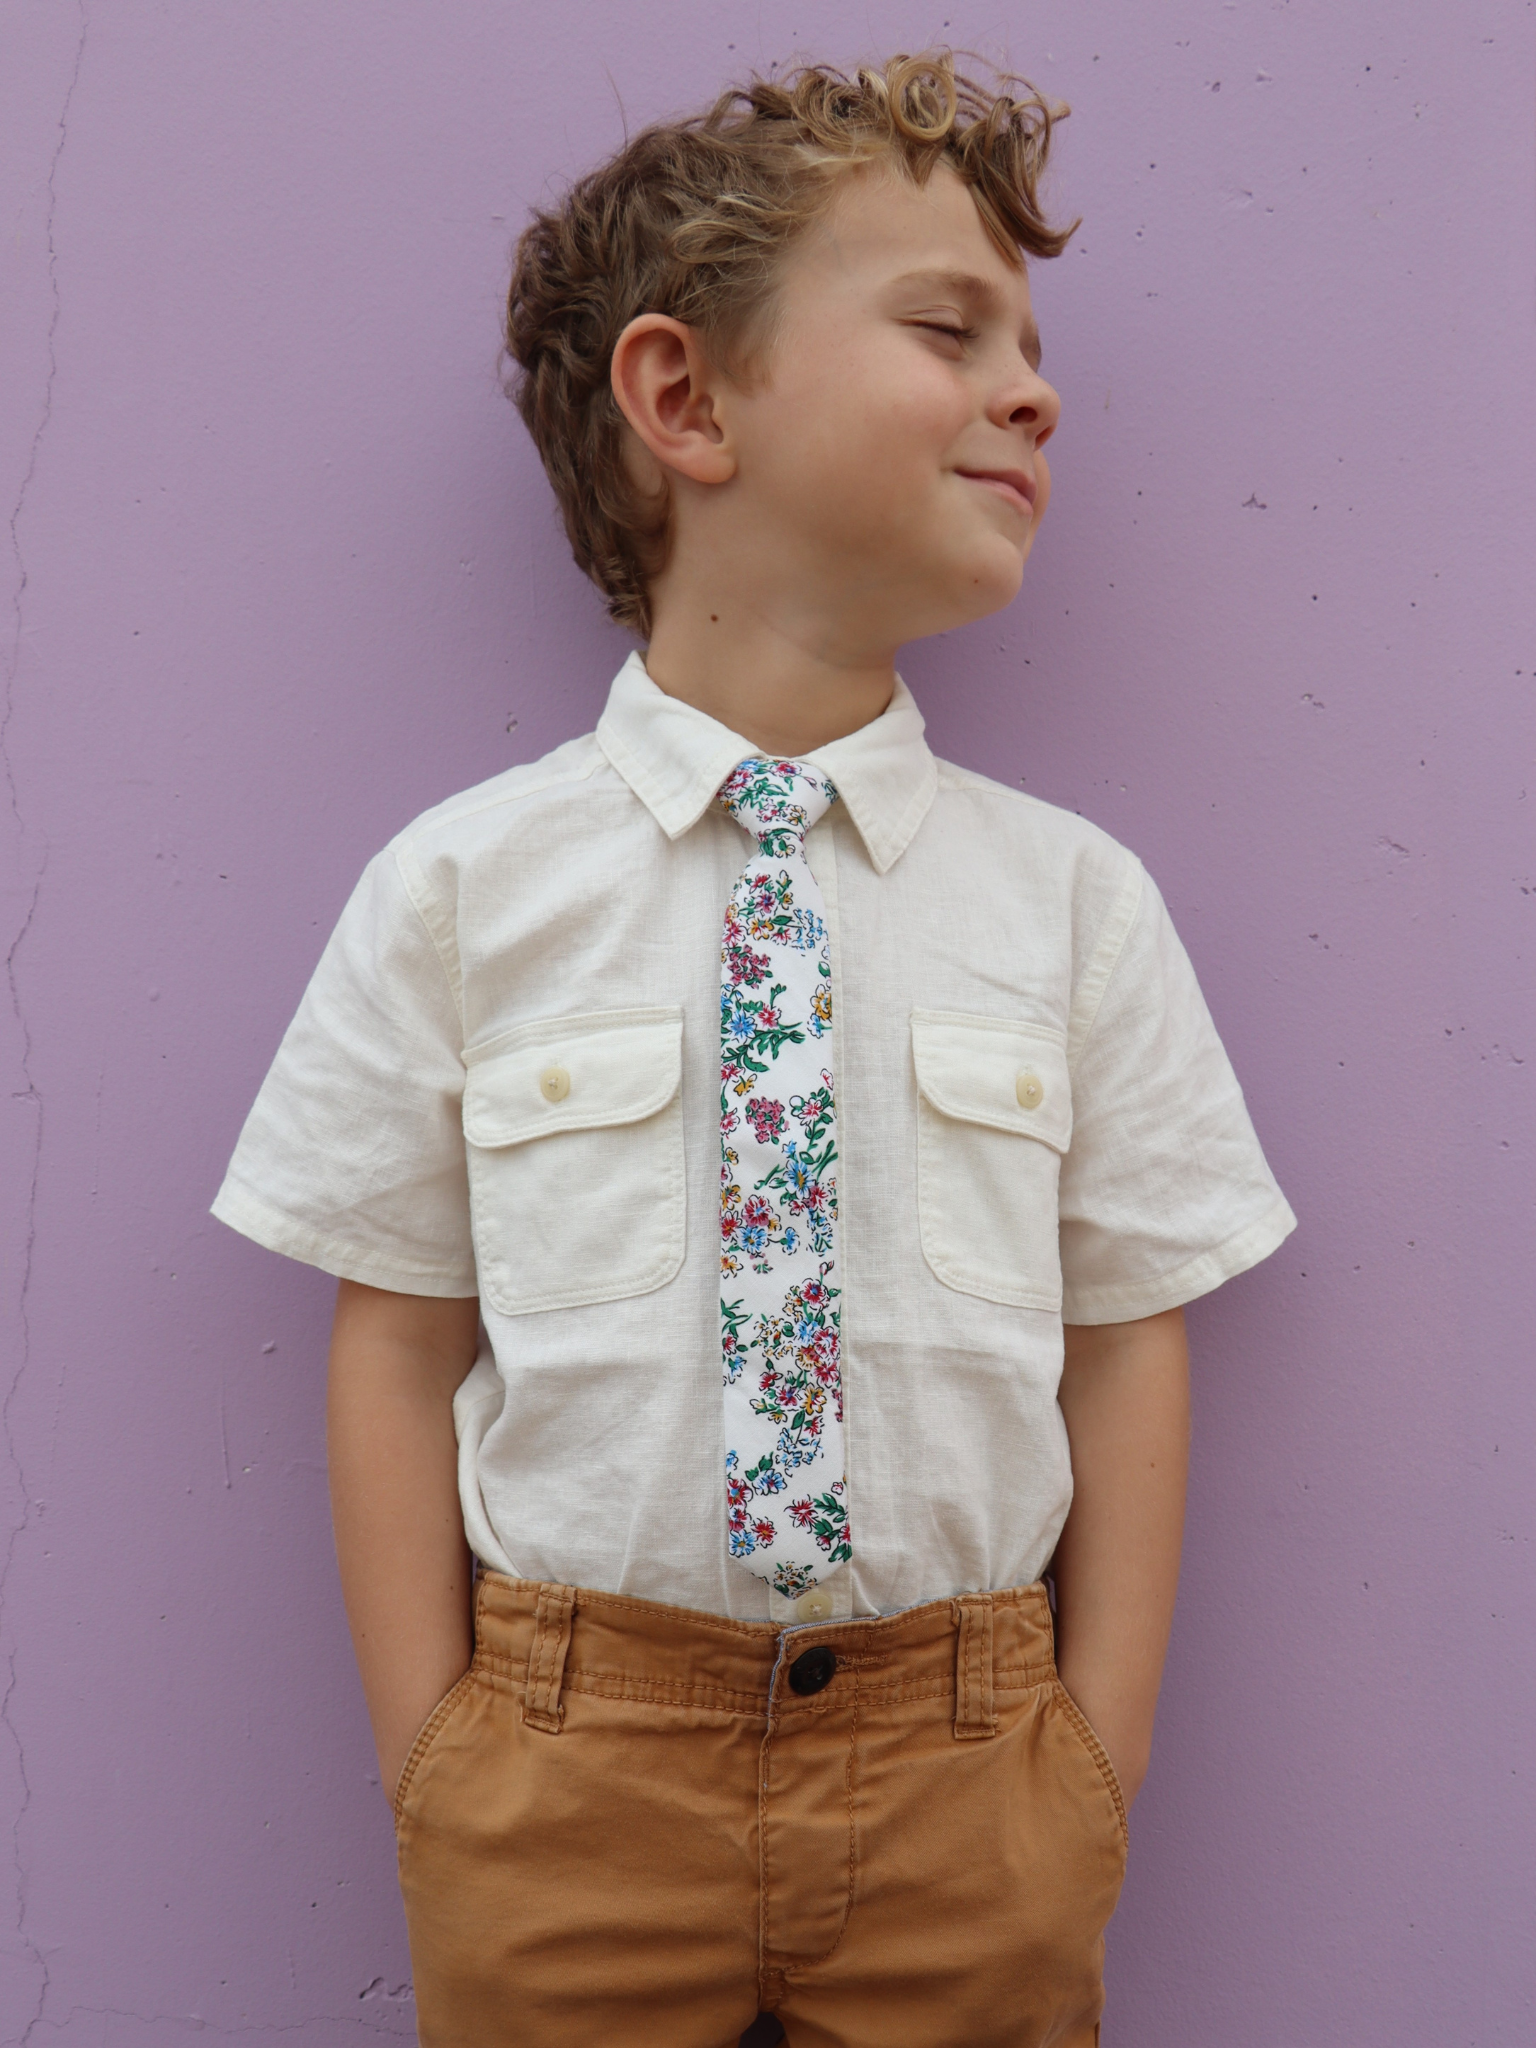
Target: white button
x=814 y=1606
x=1030 y=1090
x=554 y=1084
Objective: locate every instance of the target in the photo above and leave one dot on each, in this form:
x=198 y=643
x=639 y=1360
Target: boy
x=757 y=1705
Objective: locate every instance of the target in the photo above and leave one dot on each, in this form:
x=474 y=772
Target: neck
x=786 y=689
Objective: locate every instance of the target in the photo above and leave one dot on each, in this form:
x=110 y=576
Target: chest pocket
x=994 y=1116
x=574 y=1134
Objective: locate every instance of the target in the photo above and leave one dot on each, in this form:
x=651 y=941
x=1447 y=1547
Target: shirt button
x=1030 y=1090
x=814 y=1606
x=554 y=1084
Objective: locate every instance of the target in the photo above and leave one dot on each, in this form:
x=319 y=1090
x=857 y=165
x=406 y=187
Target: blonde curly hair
x=691 y=219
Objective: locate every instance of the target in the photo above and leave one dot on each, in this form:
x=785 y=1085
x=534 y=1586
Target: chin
x=957 y=589
x=990 y=583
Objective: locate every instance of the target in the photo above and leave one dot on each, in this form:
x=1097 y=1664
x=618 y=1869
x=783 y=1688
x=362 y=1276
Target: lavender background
x=282 y=571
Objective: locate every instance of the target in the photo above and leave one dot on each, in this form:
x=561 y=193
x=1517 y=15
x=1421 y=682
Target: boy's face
x=889 y=453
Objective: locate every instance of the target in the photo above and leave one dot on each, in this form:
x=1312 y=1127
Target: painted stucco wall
x=281 y=571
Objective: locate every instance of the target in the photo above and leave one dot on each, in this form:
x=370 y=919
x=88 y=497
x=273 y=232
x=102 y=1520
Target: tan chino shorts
x=634 y=1824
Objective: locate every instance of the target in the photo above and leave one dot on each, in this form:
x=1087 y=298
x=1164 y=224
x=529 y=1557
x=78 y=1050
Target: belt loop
x=974 y=1716
x=546 y=1659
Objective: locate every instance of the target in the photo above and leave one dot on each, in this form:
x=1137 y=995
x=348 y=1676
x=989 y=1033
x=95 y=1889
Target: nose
x=1025 y=400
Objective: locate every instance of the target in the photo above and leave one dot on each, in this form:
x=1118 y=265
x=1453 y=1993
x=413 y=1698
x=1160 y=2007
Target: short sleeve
x=352 y=1158
x=1164 y=1190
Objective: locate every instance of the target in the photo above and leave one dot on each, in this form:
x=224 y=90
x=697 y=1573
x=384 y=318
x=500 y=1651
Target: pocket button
x=1030 y=1090
x=554 y=1084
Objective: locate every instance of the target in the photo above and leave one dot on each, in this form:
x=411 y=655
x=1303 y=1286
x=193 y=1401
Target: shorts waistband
x=550 y=1640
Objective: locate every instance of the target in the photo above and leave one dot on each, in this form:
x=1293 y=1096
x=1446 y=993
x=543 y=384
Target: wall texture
x=280 y=571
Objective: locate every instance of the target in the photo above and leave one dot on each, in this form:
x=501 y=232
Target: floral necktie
x=786 y=1493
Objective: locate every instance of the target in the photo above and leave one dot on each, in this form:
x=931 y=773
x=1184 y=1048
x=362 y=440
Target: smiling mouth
x=1011 y=485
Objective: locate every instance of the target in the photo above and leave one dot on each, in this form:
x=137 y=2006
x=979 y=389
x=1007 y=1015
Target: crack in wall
x=28 y=1092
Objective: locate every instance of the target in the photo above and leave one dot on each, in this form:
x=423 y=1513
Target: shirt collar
x=675 y=758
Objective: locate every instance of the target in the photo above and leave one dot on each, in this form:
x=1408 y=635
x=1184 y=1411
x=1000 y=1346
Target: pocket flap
x=1011 y=1077
x=569 y=1073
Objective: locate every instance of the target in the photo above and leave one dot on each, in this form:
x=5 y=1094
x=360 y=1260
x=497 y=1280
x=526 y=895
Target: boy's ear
x=667 y=388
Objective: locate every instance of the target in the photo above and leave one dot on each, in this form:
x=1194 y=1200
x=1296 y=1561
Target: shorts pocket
x=574 y=1132
x=994 y=1116
x=431 y=1729
x=1083 y=1730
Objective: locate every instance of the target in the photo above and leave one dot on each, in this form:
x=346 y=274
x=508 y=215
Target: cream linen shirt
x=504 y=1080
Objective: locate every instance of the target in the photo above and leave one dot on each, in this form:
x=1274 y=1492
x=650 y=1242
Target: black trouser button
x=812 y=1669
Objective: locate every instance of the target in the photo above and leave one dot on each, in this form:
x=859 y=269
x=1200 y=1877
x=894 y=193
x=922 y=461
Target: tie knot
x=777 y=801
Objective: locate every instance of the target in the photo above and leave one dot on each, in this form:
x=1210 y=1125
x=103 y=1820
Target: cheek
x=865 y=434
x=922 y=420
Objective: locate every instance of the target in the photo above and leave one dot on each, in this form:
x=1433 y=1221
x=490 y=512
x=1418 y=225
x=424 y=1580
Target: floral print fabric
x=786 y=1492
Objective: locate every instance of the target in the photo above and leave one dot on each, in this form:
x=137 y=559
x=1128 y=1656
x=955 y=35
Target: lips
x=1013 y=485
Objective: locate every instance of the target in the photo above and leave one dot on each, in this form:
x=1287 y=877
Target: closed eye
x=941 y=327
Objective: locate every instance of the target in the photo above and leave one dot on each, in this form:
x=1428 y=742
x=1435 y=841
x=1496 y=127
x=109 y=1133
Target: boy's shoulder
x=492 y=802
x=1009 y=825
x=570 y=762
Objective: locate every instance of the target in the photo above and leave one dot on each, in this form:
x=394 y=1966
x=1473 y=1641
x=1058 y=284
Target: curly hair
x=691 y=218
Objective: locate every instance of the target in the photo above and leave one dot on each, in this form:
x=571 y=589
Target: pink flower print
x=767 y=1121
x=745 y=966
x=764 y=1532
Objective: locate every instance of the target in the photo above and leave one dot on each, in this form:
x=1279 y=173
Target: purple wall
x=285 y=572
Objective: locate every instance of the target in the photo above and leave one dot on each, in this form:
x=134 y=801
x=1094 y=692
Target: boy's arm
x=396 y=1362
x=1125 y=1397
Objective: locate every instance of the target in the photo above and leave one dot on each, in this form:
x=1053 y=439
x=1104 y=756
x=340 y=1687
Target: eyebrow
x=979 y=292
